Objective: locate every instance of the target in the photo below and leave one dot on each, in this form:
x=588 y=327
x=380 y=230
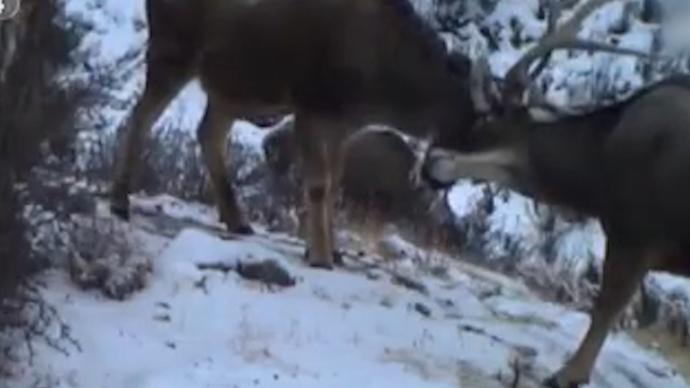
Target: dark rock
x=267 y=271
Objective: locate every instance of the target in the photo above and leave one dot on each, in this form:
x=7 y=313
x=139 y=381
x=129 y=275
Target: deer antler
x=553 y=14
x=483 y=89
x=518 y=78
x=479 y=83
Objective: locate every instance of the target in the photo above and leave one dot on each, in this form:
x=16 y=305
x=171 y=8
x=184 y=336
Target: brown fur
x=627 y=165
x=337 y=64
x=377 y=165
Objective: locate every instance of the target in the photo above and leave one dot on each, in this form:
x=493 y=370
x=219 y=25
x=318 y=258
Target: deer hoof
x=337 y=259
x=120 y=211
x=244 y=229
x=321 y=265
x=236 y=224
x=557 y=381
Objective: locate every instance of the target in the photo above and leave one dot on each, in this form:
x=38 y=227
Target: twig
x=517 y=372
x=31 y=316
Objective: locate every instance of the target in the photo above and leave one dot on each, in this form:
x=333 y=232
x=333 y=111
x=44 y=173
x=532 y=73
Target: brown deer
x=626 y=164
x=337 y=64
x=376 y=172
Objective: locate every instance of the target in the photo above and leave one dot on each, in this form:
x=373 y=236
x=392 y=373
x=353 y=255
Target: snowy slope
x=352 y=327
x=211 y=354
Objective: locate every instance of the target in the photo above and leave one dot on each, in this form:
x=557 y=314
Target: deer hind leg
x=624 y=270
x=164 y=79
x=319 y=152
x=212 y=135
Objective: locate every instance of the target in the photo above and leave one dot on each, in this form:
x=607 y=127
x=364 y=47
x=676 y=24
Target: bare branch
x=553 y=14
x=479 y=77
x=588 y=45
x=517 y=77
x=515 y=365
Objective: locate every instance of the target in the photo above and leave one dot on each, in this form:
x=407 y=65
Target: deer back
x=363 y=61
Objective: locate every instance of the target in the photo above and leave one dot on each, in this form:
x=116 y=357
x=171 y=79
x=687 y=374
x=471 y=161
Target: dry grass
x=668 y=344
x=368 y=223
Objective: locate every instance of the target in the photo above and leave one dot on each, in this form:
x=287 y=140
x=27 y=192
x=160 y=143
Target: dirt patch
x=668 y=345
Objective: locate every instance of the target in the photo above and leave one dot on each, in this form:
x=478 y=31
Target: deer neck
x=566 y=161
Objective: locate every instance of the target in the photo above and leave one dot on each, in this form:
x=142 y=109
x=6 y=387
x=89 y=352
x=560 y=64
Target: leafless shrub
x=13 y=246
x=172 y=163
x=27 y=319
x=475 y=225
x=103 y=258
x=38 y=110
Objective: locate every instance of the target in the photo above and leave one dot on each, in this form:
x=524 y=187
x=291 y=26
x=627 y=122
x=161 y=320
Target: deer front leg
x=319 y=234
x=303 y=231
x=317 y=168
x=212 y=134
x=624 y=269
x=163 y=82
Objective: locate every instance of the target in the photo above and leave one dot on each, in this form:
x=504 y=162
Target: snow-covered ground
x=373 y=323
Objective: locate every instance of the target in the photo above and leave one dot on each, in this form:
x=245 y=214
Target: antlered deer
x=337 y=64
x=627 y=165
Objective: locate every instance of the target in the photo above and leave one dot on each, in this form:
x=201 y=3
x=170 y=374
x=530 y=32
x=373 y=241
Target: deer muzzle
x=438 y=169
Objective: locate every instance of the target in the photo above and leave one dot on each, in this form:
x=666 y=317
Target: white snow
x=350 y=327
x=674 y=286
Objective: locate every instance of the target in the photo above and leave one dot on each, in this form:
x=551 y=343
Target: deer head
x=509 y=108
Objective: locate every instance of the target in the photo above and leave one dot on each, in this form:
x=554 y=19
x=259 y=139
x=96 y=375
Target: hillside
x=419 y=320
